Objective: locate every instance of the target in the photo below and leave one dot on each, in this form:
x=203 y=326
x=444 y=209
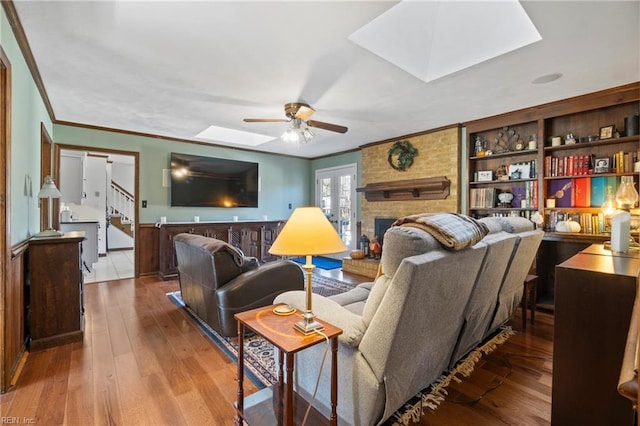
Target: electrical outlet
x=289 y=206
x=144 y=204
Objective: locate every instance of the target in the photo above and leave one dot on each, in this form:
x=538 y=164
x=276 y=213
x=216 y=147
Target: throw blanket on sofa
x=454 y=231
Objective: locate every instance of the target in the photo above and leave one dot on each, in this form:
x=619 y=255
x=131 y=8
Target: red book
x=582 y=192
x=572 y=164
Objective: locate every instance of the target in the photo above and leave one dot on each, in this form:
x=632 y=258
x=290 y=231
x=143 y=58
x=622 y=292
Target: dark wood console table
x=279 y=331
x=594 y=297
x=56 y=309
x=254 y=238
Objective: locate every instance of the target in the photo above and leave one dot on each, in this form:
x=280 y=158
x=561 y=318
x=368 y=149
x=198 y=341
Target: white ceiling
x=175 y=68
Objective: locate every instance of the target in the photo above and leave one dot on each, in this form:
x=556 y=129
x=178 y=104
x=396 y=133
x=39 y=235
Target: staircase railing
x=122 y=202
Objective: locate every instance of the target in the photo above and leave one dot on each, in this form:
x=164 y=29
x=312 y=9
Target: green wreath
x=403 y=153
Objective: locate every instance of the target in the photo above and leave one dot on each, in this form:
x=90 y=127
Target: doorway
x=99 y=188
x=336 y=196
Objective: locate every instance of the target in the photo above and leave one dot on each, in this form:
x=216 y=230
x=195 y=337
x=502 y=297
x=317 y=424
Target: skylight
x=431 y=39
x=224 y=134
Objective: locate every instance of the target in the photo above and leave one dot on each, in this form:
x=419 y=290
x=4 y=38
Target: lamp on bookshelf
x=626 y=196
x=626 y=199
x=608 y=209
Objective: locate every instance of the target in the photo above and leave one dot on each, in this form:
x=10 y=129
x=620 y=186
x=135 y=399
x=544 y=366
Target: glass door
x=336 y=196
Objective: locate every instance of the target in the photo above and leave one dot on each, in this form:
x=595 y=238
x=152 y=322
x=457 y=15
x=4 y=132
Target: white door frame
x=334 y=172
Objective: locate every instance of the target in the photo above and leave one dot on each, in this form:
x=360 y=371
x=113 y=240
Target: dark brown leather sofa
x=217 y=280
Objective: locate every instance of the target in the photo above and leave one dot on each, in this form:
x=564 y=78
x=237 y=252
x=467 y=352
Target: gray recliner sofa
x=430 y=306
x=218 y=281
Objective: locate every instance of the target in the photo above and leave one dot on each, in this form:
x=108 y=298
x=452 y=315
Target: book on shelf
x=527 y=214
x=590 y=223
x=611 y=182
x=482 y=198
x=598 y=191
x=562 y=191
x=570 y=165
x=582 y=192
x=623 y=161
x=519 y=194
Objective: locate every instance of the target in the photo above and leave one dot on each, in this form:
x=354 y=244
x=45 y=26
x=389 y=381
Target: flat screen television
x=212 y=182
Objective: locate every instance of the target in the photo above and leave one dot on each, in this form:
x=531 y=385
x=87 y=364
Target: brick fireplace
x=438 y=155
x=381 y=224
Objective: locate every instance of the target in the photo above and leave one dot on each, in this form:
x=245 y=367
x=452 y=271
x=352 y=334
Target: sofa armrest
x=258 y=287
x=249 y=264
x=352 y=326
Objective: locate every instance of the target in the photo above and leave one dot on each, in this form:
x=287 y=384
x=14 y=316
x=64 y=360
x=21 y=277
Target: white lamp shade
x=49 y=189
x=308 y=232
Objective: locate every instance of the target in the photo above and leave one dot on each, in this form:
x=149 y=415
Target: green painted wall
x=27 y=113
x=284 y=180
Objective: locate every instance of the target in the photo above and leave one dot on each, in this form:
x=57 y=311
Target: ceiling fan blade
x=327 y=126
x=304 y=112
x=265 y=120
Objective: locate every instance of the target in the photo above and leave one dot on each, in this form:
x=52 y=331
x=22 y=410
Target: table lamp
x=308 y=232
x=49 y=191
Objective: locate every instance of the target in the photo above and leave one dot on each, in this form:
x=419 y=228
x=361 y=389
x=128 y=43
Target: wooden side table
x=279 y=331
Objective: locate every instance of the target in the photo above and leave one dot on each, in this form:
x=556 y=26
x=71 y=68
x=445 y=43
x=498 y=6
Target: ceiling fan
x=298 y=114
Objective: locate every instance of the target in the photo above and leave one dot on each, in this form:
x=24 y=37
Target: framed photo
x=606 y=132
x=601 y=165
x=485 y=175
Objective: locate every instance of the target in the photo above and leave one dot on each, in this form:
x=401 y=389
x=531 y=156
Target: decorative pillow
x=454 y=231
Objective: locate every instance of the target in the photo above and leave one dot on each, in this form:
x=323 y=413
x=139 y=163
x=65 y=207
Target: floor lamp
x=308 y=233
x=49 y=191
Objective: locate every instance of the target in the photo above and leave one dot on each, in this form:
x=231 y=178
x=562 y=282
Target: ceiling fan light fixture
x=296 y=133
x=307 y=134
x=291 y=135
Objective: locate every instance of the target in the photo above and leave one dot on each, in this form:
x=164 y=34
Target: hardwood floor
x=142 y=362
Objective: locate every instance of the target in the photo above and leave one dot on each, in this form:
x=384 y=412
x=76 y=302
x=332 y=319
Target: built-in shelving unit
x=561 y=169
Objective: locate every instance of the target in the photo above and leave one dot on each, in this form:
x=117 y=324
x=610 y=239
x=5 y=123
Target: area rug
x=320 y=262
x=261 y=369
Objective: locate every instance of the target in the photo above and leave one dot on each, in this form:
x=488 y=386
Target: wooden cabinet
x=499 y=144
x=595 y=293
x=253 y=238
x=55 y=305
x=90 y=243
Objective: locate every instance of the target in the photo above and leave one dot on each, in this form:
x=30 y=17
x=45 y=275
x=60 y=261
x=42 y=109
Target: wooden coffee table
x=279 y=331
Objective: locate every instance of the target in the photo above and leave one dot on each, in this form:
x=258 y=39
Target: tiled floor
x=114 y=266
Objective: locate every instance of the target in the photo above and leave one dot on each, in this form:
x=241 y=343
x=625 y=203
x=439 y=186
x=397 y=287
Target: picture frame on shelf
x=485 y=175
x=606 y=132
x=601 y=165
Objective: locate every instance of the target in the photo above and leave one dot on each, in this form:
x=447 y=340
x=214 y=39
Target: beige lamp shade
x=49 y=189
x=308 y=232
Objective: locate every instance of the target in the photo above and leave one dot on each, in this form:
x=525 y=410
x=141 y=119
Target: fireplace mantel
x=431 y=188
